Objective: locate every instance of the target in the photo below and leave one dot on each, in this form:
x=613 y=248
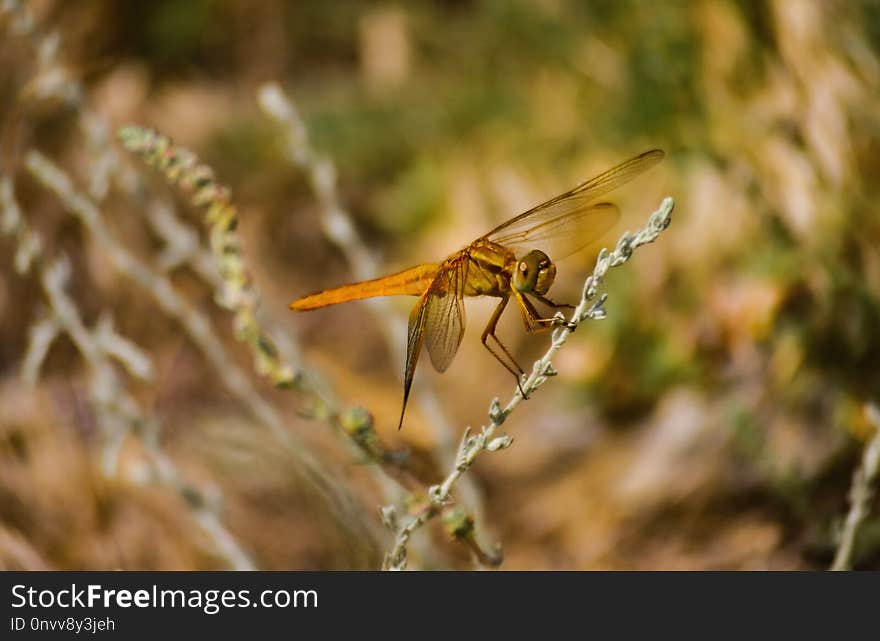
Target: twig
x=345 y=507
x=237 y=293
x=52 y=81
x=472 y=445
x=860 y=494
x=117 y=413
x=341 y=231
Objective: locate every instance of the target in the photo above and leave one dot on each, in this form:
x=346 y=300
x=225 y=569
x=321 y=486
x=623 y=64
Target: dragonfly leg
x=549 y=303
x=532 y=319
x=510 y=365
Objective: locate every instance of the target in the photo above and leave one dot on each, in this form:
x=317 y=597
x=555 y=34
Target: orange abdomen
x=412 y=282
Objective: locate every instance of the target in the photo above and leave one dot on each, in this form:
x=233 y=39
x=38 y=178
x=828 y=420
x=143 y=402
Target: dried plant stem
x=237 y=293
x=118 y=414
x=343 y=505
x=472 y=445
x=341 y=231
x=182 y=247
x=53 y=82
x=860 y=494
x=206 y=508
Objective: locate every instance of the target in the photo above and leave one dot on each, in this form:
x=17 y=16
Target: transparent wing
x=437 y=320
x=571 y=221
x=444 y=315
x=564 y=234
x=414 y=338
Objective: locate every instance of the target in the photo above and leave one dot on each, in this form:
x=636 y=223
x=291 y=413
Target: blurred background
x=712 y=421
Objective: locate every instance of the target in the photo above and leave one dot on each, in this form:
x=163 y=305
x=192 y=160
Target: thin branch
x=345 y=507
x=339 y=228
x=473 y=445
x=52 y=81
x=12 y=223
x=135 y=360
x=860 y=494
x=237 y=293
x=225 y=270
x=117 y=412
x=42 y=335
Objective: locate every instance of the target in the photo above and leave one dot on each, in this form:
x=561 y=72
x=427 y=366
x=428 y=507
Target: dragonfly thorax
x=534 y=273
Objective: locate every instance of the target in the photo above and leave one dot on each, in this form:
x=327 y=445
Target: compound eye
x=526 y=275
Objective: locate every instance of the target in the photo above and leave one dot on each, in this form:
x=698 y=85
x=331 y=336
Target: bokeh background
x=713 y=420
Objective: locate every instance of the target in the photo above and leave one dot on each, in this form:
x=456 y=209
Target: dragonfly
x=511 y=262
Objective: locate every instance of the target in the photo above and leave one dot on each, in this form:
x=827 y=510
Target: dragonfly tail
x=413 y=282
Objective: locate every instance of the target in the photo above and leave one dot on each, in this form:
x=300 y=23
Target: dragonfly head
x=534 y=273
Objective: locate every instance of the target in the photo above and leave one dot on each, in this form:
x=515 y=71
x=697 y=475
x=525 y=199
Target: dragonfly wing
x=551 y=225
x=564 y=234
x=444 y=315
x=438 y=321
x=414 y=338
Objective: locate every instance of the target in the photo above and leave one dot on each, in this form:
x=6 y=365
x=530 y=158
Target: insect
x=511 y=261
